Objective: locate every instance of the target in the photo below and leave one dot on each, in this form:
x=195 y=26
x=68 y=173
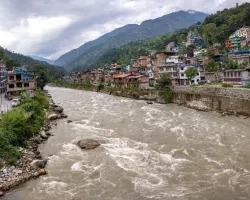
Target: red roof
x=121 y=75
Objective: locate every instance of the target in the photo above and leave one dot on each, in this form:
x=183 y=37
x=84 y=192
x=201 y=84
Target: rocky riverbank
x=31 y=164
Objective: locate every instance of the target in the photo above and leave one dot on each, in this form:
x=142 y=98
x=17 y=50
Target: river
x=164 y=152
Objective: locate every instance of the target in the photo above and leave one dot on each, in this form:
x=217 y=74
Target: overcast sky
x=49 y=28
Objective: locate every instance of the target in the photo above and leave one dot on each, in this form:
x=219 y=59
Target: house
x=119 y=80
x=239 y=38
x=160 y=57
x=236 y=76
x=239 y=56
x=20 y=80
x=142 y=81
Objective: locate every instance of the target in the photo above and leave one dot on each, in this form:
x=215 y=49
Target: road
x=5 y=105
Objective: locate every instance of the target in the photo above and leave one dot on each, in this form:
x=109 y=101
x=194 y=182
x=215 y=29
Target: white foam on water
x=71 y=150
x=213 y=161
x=147 y=166
x=178 y=130
x=93 y=129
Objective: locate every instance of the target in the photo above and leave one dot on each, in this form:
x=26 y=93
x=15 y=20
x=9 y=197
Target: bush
x=20 y=124
x=227 y=85
x=166 y=94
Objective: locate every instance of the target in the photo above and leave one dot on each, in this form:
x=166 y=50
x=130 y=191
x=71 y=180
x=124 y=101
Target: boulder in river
x=1 y=193
x=88 y=144
x=41 y=172
x=64 y=116
x=38 y=163
x=53 y=117
x=69 y=121
x=58 y=109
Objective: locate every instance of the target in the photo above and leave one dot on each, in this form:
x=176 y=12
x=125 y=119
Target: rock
x=48 y=133
x=43 y=135
x=149 y=102
x=160 y=100
x=19 y=171
x=1 y=193
x=38 y=163
x=69 y=121
x=88 y=144
x=58 y=109
x=64 y=116
x=53 y=117
x=41 y=172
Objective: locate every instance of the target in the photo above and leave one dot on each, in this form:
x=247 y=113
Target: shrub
x=20 y=124
x=227 y=85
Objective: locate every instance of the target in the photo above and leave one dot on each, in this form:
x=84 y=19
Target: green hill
x=90 y=52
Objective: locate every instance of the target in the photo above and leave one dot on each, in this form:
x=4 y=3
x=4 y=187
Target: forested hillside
x=215 y=29
x=15 y=60
x=89 y=53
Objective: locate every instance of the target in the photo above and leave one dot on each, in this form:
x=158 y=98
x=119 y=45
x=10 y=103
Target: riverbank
x=27 y=162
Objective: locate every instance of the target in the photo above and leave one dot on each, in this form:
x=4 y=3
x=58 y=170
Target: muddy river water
x=164 y=152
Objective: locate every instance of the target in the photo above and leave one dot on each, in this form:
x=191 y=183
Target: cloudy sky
x=49 y=28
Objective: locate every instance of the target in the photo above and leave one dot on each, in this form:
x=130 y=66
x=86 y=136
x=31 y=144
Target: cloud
x=49 y=28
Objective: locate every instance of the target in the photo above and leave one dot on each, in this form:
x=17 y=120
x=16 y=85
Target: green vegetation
x=211 y=66
x=20 y=124
x=227 y=85
x=191 y=73
x=163 y=85
x=89 y=53
x=215 y=29
x=16 y=60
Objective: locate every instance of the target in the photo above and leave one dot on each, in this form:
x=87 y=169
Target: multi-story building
x=239 y=38
x=2 y=77
x=20 y=80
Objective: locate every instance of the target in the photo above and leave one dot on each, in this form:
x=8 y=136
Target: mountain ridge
x=128 y=33
x=42 y=59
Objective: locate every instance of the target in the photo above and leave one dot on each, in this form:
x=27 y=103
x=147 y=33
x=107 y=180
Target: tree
x=209 y=32
x=211 y=66
x=231 y=64
x=1 y=53
x=191 y=73
x=42 y=76
x=244 y=64
x=164 y=81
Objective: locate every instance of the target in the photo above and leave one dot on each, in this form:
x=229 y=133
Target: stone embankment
x=32 y=164
x=228 y=101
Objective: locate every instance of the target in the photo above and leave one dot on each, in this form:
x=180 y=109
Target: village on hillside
x=199 y=65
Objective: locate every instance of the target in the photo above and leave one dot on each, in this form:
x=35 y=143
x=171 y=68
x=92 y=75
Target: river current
x=164 y=152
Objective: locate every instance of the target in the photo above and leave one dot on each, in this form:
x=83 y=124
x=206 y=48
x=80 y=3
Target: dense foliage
x=215 y=29
x=21 y=123
x=16 y=60
x=191 y=73
x=164 y=86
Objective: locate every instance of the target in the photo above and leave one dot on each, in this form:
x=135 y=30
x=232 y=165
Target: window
x=11 y=78
x=182 y=75
x=198 y=80
x=18 y=77
x=19 y=85
x=182 y=68
x=26 y=85
x=11 y=86
x=197 y=74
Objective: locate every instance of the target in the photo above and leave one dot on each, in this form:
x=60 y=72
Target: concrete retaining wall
x=234 y=100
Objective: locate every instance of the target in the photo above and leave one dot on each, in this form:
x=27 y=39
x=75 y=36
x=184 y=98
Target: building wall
x=161 y=57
